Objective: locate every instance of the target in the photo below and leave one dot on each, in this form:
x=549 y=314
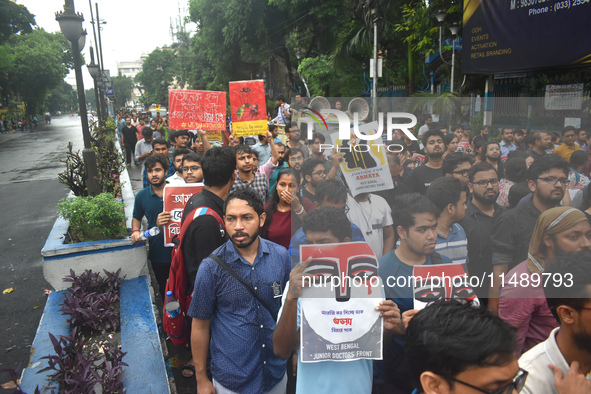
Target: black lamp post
x=71 y=27
x=94 y=70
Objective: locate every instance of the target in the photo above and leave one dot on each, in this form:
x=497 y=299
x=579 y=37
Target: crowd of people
x=514 y=213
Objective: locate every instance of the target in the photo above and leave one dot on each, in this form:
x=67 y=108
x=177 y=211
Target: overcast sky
x=132 y=27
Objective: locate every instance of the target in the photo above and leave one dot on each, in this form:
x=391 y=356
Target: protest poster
x=249 y=108
x=364 y=164
x=175 y=198
x=338 y=319
x=197 y=109
x=441 y=281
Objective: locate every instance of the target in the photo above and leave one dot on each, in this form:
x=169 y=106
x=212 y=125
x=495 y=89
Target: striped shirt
x=455 y=246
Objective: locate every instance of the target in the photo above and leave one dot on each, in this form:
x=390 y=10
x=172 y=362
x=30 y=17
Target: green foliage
x=90 y=98
x=14 y=18
x=156 y=76
x=123 y=87
x=316 y=70
x=41 y=62
x=94 y=218
x=63 y=98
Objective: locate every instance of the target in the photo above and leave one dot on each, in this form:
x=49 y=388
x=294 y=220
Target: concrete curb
x=146 y=372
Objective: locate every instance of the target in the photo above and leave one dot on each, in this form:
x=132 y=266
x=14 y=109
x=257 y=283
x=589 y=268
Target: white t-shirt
x=371 y=217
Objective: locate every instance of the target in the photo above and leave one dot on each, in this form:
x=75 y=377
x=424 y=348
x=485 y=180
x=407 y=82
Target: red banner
x=175 y=198
x=196 y=109
x=249 y=108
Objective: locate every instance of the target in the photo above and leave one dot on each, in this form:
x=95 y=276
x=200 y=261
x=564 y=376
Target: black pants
x=129 y=153
x=161 y=271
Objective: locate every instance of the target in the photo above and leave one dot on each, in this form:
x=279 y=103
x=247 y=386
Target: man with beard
x=506 y=143
x=313 y=172
x=491 y=154
x=568 y=146
x=560 y=364
x=177 y=178
x=180 y=139
x=558 y=231
x=224 y=310
x=294 y=134
x=148 y=203
x=542 y=142
x=481 y=212
x=421 y=177
x=547 y=179
x=281 y=164
x=245 y=178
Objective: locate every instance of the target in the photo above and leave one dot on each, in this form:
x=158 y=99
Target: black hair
x=518 y=132
x=272 y=127
x=218 y=164
x=444 y=191
x=478 y=141
x=309 y=165
x=147 y=132
x=176 y=133
x=330 y=190
x=578 y=158
x=573 y=288
x=290 y=152
x=247 y=194
x=192 y=156
x=255 y=154
x=516 y=170
x=518 y=153
x=567 y=129
x=242 y=148
x=453 y=160
x=449 y=337
x=431 y=133
x=156 y=158
x=516 y=193
x=182 y=151
x=587 y=198
x=480 y=167
x=328 y=219
x=280 y=98
x=484 y=149
x=261 y=137
x=546 y=163
x=319 y=136
x=578 y=131
x=448 y=139
x=288 y=127
x=537 y=136
x=406 y=206
x=271 y=206
x=159 y=141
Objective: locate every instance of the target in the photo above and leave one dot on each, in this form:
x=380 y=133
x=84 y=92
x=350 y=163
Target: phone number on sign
x=535 y=280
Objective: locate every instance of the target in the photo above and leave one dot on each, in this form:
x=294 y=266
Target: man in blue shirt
x=415 y=221
x=148 y=203
x=242 y=358
x=263 y=148
x=506 y=143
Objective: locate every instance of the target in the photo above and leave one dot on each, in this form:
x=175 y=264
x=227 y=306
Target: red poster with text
x=196 y=109
x=249 y=108
x=175 y=198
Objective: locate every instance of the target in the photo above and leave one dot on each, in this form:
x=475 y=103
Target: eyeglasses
x=517 y=384
x=192 y=168
x=551 y=180
x=484 y=183
x=462 y=173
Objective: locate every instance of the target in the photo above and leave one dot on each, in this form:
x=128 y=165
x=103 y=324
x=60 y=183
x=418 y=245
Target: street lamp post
x=454 y=29
x=94 y=70
x=71 y=27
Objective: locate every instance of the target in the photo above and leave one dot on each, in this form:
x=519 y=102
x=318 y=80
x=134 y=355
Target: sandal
x=188 y=371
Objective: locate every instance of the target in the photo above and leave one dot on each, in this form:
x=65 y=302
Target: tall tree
x=42 y=60
x=156 y=76
x=14 y=18
x=63 y=98
x=122 y=87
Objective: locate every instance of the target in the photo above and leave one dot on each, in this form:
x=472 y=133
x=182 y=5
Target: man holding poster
x=321 y=226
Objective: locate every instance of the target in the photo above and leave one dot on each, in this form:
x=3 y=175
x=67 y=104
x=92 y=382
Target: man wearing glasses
x=547 y=179
x=457 y=165
x=482 y=211
x=568 y=146
x=455 y=348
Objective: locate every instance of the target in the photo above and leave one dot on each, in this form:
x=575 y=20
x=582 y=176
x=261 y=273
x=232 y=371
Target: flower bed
x=145 y=372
